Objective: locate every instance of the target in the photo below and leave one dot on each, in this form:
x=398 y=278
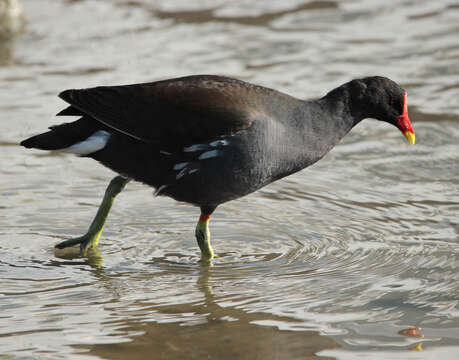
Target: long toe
x=69 y=243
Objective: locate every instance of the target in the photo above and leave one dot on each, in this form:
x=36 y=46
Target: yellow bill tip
x=410 y=137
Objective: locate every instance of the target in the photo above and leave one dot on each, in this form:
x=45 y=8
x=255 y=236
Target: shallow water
x=336 y=261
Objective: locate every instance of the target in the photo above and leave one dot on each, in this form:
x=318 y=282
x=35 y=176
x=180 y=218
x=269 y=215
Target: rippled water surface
x=342 y=260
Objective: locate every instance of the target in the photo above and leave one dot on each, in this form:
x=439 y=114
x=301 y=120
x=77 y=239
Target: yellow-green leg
x=203 y=237
x=91 y=238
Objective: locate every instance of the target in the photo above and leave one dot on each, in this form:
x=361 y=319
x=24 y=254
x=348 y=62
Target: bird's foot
x=92 y=255
x=91 y=238
x=86 y=242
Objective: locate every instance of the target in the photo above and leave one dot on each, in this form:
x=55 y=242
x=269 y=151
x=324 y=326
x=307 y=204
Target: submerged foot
x=92 y=255
x=86 y=242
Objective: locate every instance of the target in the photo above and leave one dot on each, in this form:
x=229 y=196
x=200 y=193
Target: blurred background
x=355 y=257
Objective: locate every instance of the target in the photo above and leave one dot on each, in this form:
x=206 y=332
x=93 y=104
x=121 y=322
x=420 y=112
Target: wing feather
x=174 y=112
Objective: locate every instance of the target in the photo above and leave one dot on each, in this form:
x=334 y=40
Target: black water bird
x=207 y=139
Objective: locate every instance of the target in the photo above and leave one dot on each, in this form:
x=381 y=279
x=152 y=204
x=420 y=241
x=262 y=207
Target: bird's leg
x=203 y=237
x=203 y=234
x=91 y=238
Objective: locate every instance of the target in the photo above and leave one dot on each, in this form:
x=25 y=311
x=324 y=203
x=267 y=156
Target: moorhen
x=209 y=139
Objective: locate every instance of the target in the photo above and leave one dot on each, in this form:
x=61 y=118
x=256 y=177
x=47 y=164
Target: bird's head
x=380 y=98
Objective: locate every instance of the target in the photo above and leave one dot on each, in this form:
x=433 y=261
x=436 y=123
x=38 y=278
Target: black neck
x=320 y=125
x=331 y=119
x=339 y=105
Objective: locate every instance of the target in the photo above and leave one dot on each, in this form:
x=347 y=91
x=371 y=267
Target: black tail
x=64 y=135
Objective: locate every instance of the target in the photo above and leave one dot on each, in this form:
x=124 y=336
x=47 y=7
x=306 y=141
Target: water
x=337 y=261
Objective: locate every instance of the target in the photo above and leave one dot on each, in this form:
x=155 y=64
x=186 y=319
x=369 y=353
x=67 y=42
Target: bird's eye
x=391 y=102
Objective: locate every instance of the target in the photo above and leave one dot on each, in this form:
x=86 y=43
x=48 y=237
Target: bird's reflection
x=224 y=332
x=93 y=256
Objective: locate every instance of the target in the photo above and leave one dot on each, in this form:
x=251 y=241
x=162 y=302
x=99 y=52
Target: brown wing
x=173 y=112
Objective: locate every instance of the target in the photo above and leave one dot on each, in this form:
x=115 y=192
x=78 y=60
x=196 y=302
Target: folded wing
x=172 y=113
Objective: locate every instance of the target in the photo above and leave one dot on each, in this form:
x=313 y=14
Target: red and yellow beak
x=404 y=124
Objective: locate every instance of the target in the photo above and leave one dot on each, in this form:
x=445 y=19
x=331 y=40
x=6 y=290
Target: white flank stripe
x=219 y=143
x=209 y=154
x=95 y=142
x=196 y=147
x=180 y=165
x=181 y=174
